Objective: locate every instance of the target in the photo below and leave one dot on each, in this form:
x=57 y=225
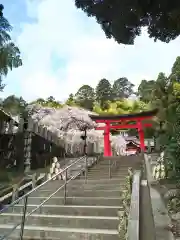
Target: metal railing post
x=23 y=217
x=65 y=187
x=97 y=159
x=86 y=169
x=109 y=168
x=14 y=196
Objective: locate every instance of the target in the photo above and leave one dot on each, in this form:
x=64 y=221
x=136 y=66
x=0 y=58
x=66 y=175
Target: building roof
x=147 y=142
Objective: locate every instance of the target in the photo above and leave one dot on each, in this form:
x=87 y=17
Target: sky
x=62 y=49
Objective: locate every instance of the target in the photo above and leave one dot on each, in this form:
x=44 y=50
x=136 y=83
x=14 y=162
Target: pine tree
x=104 y=93
x=122 y=88
x=85 y=97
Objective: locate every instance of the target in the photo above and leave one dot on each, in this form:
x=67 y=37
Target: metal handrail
x=44 y=183
x=25 y=197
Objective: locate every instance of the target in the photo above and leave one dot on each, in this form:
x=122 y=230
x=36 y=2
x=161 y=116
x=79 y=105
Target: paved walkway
x=160 y=215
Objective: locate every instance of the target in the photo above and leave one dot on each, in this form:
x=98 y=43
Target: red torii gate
x=123 y=121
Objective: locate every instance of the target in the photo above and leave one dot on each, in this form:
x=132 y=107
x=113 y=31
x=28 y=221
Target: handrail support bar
x=23 y=218
x=65 y=187
x=86 y=169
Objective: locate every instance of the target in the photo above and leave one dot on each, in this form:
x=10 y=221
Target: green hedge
x=123 y=216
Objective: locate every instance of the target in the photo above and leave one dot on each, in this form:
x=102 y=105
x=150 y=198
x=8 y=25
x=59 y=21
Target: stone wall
x=133 y=221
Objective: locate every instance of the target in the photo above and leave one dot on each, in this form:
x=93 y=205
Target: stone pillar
x=10 y=147
x=27 y=146
x=3 y=127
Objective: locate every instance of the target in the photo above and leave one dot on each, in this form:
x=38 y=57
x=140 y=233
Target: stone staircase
x=90 y=212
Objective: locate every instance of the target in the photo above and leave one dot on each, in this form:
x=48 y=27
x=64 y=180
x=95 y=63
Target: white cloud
x=87 y=55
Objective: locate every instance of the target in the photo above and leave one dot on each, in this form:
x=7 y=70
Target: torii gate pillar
x=141 y=135
x=107 y=144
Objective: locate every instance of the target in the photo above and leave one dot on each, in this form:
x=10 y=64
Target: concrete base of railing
x=160 y=213
x=133 y=222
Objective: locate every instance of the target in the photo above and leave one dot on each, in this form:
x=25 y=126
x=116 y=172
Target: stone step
x=101 y=169
x=104 y=175
x=90 y=212
x=110 y=201
x=80 y=193
x=52 y=186
x=109 y=211
x=118 y=164
x=55 y=233
x=89 y=187
x=79 y=182
x=96 y=177
x=113 y=164
x=68 y=221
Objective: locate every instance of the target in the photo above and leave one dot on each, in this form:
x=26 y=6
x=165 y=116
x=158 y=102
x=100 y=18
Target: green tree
x=175 y=72
x=165 y=96
x=52 y=102
x=9 y=53
x=145 y=90
x=40 y=101
x=85 y=97
x=103 y=93
x=70 y=101
x=171 y=137
x=49 y=102
x=174 y=79
x=14 y=105
x=97 y=109
x=123 y=20
x=161 y=95
x=50 y=99
x=122 y=88
x=160 y=98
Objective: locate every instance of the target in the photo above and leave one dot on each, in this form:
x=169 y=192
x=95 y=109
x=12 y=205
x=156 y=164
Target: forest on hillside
x=162 y=93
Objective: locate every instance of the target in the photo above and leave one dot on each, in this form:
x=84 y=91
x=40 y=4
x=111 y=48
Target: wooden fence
x=32 y=146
